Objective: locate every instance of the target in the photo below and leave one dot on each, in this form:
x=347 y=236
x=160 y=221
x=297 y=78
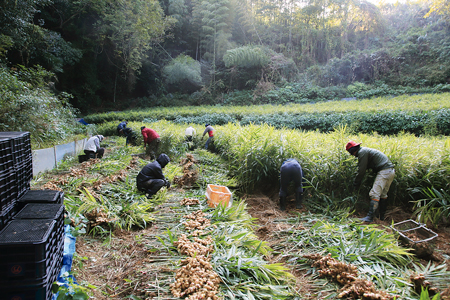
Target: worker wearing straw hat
x=369 y=158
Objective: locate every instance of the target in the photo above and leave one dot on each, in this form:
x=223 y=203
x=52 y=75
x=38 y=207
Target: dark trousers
x=92 y=154
x=151 y=186
x=288 y=173
x=152 y=148
x=131 y=139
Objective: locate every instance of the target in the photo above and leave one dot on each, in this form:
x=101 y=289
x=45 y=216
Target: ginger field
x=174 y=246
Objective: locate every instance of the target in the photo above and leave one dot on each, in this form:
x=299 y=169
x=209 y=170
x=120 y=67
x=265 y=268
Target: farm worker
x=377 y=161
x=291 y=171
x=131 y=136
x=210 y=130
x=151 y=178
x=189 y=135
x=152 y=140
x=121 y=127
x=92 y=147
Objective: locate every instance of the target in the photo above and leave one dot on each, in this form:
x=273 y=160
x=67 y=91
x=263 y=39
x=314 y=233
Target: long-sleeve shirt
x=369 y=158
x=122 y=125
x=190 y=131
x=93 y=144
x=210 y=130
x=149 y=135
x=153 y=170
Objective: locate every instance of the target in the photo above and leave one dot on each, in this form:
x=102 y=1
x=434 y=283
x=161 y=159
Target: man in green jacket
x=369 y=158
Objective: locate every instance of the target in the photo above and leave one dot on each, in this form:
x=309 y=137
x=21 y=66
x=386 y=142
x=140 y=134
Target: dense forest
x=101 y=55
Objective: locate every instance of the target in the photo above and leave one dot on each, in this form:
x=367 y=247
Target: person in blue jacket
x=291 y=171
x=151 y=178
x=121 y=127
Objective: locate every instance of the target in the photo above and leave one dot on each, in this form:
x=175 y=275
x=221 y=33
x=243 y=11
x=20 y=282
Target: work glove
x=167 y=183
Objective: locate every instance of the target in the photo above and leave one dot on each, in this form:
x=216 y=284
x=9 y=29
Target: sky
x=386 y=1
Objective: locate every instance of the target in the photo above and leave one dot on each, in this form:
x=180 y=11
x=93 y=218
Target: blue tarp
x=82 y=121
x=69 y=250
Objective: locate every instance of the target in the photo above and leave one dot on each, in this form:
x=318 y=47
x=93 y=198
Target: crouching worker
x=92 y=148
x=291 y=171
x=151 y=178
x=369 y=158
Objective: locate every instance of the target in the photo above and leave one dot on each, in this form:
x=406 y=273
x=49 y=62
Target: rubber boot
x=298 y=200
x=283 y=203
x=383 y=207
x=372 y=208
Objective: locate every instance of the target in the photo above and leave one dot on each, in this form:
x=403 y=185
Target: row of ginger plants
x=254 y=154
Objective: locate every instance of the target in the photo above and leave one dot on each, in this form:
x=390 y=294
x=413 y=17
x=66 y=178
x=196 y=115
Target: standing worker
x=377 y=161
x=151 y=178
x=210 y=130
x=152 y=140
x=92 y=147
x=189 y=135
x=121 y=127
x=291 y=171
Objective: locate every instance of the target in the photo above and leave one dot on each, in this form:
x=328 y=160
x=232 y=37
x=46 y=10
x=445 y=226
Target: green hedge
x=383 y=122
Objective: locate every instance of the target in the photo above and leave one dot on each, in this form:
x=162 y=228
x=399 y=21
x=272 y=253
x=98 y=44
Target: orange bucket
x=218 y=194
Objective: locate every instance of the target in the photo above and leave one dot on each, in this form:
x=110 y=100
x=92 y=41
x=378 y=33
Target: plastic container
x=40 y=196
x=414 y=232
x=6 y=215
x=29 y=250
x=6 y=154
x=8 y=190
x=218 y=194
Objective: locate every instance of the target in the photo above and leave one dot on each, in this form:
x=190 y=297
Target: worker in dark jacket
x=131 y=136
x=377 y=161
x=121 y=127
x=151 y=178
x=291 y=171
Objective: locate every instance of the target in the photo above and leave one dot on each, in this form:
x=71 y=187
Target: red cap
x=351 y=144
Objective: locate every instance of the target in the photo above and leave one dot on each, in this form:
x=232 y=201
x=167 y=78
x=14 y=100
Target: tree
x=183 y=74
x=30 y=43
x=441 y=7
x=126 y=31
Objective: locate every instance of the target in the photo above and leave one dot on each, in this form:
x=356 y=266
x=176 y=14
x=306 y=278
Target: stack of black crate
x=31 y=225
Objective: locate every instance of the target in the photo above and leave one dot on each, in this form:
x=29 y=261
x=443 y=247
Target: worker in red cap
x=377 y=161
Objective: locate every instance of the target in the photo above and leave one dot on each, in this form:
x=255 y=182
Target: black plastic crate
x=32 y=290
x=8 y=189
x=6 y=154
x=41 y=196
x=21 y=144
x=43 y=211
x=42 y=291
x=26 y=249
x=6 y=215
